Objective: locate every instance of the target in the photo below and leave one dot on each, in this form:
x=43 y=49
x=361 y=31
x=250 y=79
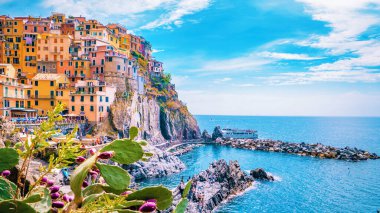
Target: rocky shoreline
x=160 y=164
x=303 y=149
x=184 y=149
x=218 y=183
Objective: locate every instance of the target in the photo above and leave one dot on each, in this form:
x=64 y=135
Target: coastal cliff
x=157 y=122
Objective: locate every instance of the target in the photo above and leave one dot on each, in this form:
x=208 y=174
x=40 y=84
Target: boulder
x=206 y=136
x=260 y=174
x=217 y=133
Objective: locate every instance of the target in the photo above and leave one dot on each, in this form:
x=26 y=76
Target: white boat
x=240 y=133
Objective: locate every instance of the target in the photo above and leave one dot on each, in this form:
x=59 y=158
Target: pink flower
x=80 y=160
x=5 y=173
x=126 y=193
x=50 y=183
x=106 y=155
x=54 y=188
x=58 y=204
x=92 y=151
x=54 y=195
x=148 y=207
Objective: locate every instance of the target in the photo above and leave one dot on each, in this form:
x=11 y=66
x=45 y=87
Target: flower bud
x=54 y=195
x=50 y=183
x=58 y=204
x=126 y=193
x=67 y=198
x=54 y=188
x=80 y=160
x=92 y=151
x=106 y=155
x=148 y=207
x=85 y=184
x=44 y=179
x=94 y=176
x=5 y=173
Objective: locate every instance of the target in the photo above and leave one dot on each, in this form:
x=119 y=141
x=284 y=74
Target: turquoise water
x=304 y=184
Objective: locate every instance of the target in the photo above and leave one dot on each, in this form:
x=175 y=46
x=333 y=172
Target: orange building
x=12 y=94
x=53 y=47
x=92 y=99
x=76 y=69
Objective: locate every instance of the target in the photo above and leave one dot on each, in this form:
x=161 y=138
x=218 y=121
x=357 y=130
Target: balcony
x=14 y=96
x=44 y=97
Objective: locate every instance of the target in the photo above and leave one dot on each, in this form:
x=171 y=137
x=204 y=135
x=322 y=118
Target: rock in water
x=206 y=136
x=215 y=185
x=160 y=164
x=261 y=174
x=217 y=133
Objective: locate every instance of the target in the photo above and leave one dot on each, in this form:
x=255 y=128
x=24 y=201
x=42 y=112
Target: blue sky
x=251 y=57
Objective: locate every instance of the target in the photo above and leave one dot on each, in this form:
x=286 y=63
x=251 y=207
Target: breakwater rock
x=304 y=149
x=215 y=185
x=161 y=164
x=260 y=174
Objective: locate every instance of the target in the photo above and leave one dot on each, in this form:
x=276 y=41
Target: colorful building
x=92 y=98
x=48 y=90
x=13 y=96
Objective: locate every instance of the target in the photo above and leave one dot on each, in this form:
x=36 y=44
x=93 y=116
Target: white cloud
x=250 y=62
x=222 y=80
x=170 y=12
x=288 y=56
x=157 y=51
x=246 y=85
x=299 y=78
x=175 y=15
x=348 y=20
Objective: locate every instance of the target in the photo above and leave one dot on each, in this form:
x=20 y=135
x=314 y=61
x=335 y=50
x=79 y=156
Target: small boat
x=240 y=133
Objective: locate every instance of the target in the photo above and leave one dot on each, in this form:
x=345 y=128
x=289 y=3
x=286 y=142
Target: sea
x=303 y=184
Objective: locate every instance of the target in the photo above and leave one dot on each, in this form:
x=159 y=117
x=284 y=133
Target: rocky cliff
x=156 y=121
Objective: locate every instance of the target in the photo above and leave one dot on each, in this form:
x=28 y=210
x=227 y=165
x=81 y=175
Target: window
x=92 y=98
x=72 y=98
x=101 y=98
x=107 y=99
x=72 y=108
x=52 y=83
x=91 y=108
x=51 y=94
x=118 y=67
x=61 y=63
x=29 y=105
x=82 y=108
x=36 y=103
x=100 y=89
x=82 y=98
x=35 y=83
x=51 y=103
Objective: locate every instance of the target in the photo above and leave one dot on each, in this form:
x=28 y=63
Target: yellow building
x=29 y=52
x=53 y=47
x=13 y=45
x=125 y=44
x=49 y=90
x=12 y=94
x=92 y=99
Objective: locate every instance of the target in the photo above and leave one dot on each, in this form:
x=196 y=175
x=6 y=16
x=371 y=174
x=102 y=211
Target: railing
x=15 y=96
x=42 y=96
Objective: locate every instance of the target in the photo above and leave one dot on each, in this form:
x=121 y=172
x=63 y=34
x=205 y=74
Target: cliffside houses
x=80 y=63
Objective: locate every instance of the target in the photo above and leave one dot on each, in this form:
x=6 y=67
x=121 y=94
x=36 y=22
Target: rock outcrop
x=260 y=174
x=303 y=149
x=217 y=133
x=160 y=164
x=157 y=124
x=206 y=136
x=215 y=185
